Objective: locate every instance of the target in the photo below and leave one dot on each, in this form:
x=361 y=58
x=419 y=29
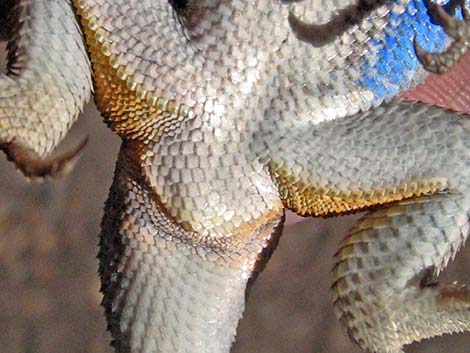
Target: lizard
x=231 y=112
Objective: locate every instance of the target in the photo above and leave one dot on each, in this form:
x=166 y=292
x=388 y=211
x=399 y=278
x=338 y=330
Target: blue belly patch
x=394 y=65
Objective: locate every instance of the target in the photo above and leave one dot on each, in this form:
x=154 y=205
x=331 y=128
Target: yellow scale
x=138 y=114
x=308 y=199
x=129 y=109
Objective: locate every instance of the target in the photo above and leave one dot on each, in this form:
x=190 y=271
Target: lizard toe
x=458 y=29
x=38 y=169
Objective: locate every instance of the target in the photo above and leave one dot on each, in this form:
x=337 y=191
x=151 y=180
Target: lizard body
x=231 y=111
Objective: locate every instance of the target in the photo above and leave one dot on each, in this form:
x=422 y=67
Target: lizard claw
x=455 y=28
x=37 y=169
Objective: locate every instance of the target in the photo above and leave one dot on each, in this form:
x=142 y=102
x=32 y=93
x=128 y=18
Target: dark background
x=49 y=298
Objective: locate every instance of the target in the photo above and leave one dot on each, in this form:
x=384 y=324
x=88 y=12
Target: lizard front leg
x=46 y=84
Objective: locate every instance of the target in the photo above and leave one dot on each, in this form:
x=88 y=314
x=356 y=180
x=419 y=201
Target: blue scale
x=396 y=63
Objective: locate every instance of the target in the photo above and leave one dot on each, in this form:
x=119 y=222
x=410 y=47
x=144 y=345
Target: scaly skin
x=45 y=87
x=232 y=111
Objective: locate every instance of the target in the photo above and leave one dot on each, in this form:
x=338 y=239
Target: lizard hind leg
x=382 y=288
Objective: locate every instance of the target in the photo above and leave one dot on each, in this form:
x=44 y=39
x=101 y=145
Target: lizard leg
x=386 y=156
x=382 y=292
x=165 y=289
x=407 y=150
x=457 y=29
x=46 y=84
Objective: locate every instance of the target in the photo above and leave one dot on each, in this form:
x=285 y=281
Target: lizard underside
x=231 y=112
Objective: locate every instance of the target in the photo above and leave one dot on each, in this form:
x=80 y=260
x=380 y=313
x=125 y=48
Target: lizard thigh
x=393 y=152
x=413 y=161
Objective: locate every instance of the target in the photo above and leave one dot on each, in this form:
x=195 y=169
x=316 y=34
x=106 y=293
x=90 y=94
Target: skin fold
x=231 y=113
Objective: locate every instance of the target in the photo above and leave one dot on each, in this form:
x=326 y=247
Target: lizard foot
x=384 y=290
x=459 y=30
x=37 y=169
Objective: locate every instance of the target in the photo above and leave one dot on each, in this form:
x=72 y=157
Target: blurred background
x=49 y=288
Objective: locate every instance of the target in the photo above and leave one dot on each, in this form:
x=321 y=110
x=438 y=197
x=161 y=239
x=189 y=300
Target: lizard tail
x=166 y=289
